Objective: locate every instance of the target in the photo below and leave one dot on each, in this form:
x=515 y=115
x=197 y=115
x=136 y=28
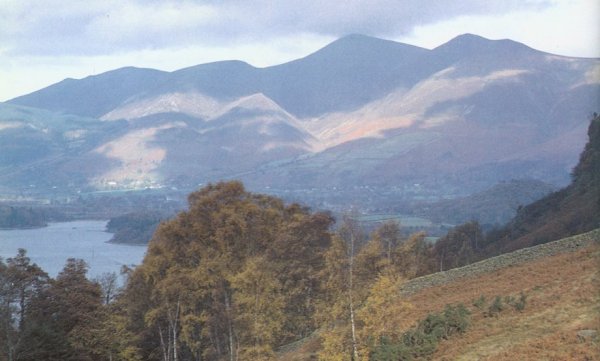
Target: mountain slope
x=95 y=95
x=181 y=150
x=571 y=210
x=487 y=111
x=496 y=205
x=344 y=75
x=42 y=150
x=169 y=142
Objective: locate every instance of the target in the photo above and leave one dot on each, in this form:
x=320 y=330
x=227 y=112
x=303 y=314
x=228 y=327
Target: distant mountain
x=361 y=112
x=496 y=107
x=344 y=75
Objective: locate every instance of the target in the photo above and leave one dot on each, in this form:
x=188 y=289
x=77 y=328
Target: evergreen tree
x=65 y=318
x=20 y=282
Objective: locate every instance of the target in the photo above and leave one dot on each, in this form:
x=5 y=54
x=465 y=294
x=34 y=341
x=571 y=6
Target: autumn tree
x=364 y=285
x=108 y=285
x=351 y=232
x=460 y=246
x=7 y=331
x=413 y=257
x=389 y=234
x=297 y=256
x=352 y=267
x=259 y=309
x=370 y=262
x=237 y=274
x=333 y=312
x=384 y=312
x=54 y=319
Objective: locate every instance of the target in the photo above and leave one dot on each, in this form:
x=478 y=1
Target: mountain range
x=362 y=119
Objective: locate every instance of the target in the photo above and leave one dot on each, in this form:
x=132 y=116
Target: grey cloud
x=105 y=27
x=381 y=17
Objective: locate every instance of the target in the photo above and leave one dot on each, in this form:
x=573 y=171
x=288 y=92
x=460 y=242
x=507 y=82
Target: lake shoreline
x=23 y=228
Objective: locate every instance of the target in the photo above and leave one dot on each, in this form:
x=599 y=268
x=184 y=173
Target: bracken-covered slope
x=561 y=300
x=559 y=280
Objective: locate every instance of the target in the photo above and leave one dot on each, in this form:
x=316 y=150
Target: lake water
x=50 y=247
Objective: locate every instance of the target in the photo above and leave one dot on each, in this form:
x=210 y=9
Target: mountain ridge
x=359 y=112
x=353 y=44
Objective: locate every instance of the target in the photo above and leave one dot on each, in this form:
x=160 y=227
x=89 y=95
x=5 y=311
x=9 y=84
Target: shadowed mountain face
x=572 y=210
x=360 y=112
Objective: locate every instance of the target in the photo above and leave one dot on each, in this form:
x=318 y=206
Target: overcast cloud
x=59 y=27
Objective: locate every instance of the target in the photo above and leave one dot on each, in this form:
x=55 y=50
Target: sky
x=44 y=42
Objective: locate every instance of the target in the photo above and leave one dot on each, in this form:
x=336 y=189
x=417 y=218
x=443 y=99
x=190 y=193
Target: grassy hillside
x=561 y=291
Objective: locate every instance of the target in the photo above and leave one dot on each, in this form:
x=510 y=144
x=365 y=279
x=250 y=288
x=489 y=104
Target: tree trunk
x=230 y=326
x=162 y=344
x=173 y=319
x=175 y=325
x=256 y=340
x=350 y=291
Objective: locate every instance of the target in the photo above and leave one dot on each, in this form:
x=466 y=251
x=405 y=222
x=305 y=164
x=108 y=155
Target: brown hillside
x=563 y=298
x=561 y=280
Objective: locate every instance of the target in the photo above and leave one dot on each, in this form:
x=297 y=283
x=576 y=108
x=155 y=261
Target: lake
x=50 y=247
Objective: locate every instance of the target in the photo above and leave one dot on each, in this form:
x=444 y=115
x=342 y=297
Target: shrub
x=520 y=304
x=419 y=343
x=422 y=340
x=390 y=351
x=480 y=302
x=496 y=307
x=457 y=319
